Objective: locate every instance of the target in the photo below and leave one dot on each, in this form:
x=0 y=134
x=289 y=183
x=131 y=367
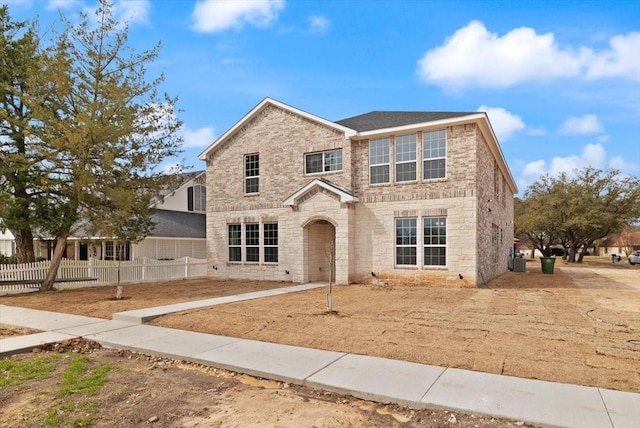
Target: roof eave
x=430 y=124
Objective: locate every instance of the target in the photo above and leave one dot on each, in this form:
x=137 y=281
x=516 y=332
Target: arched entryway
x=319 y=250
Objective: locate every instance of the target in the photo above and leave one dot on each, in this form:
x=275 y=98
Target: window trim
x=405 y=162
x=323 y=162
x=434 y=158
x=266 y=245
x=234 y=246
x=254 y=235
x=398 y=246
x=381 y=164
x=247 y=171
x=425 y=245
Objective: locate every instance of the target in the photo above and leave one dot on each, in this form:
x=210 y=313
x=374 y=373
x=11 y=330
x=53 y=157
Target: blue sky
x=560 y=80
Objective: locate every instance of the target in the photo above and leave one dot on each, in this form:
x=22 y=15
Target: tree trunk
x=24 y=246
x=58 y=252
x=572 y=253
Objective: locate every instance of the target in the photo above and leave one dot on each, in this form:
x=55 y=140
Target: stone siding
x=364 y=231
x=495 y=216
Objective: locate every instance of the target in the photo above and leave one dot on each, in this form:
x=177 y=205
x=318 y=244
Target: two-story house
x=411 y=197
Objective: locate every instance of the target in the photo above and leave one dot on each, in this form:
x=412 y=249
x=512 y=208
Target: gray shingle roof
x=392 y=119
x=177 y=224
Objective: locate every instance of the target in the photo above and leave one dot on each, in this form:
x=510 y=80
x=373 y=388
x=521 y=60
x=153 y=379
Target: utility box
x=519 y=264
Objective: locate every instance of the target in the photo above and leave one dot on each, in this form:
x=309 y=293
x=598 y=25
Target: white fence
x=106 y=271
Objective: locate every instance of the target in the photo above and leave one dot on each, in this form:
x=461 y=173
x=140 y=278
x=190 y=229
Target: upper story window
x=252 y=173
x=379 y=161
x=406 y=157
x=434 y=149
x=197 y=198
x=330 y=160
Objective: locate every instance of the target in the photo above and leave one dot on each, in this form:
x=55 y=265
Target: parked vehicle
x=634 y=258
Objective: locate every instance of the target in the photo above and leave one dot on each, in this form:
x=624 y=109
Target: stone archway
x=319 y=250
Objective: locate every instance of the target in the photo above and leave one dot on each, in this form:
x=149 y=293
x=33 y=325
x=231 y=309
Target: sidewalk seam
x=432 y=385
x=304 y=381
x=604 y=403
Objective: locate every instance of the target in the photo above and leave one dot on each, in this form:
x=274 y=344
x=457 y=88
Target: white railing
x=106 y=271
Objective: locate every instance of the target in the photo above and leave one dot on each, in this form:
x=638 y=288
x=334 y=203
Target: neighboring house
x=623 y=243
x=180 y=229
x=411 y=197
x=7 y=243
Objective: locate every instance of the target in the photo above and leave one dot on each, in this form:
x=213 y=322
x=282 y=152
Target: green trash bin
x=547 y=264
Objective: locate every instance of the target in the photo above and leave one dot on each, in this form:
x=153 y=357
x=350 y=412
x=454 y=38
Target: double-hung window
x=252 y=173
x=405 y=158
x=271 y=242
x=379 y=161
x=252 y=241
x=434 y=149
x=327 y=161
x=406 y=241
x=435 y=241
x=196 y=198
x=235 y=242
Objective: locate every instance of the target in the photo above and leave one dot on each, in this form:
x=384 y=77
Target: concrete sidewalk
x=372 y=378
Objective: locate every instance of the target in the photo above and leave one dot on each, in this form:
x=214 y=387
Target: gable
x=336 y=191
x=260 y=109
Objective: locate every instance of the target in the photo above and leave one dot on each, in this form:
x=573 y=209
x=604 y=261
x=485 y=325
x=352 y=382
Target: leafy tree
x=102 y=130
x=19 y=59
x=535 y=224
x=581 y=209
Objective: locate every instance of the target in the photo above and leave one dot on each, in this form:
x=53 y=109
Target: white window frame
x=438 y=137
x=270 y=242
x=199 y=198
x=252 y=241
x=231 y=245
x=428 y=240
x=406 y=157
x=255 y=173
x=377 y=159
x=328 y=162
x=402 y=245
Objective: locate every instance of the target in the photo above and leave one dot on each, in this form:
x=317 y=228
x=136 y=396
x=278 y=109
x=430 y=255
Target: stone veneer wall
x=365 y=230
x=495 y=216
x=281 y=138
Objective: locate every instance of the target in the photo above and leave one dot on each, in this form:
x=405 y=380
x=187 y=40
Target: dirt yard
x=580 y=325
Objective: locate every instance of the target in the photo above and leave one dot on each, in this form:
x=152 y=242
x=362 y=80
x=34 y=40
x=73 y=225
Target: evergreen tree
x=19 y=60
x=102 y=131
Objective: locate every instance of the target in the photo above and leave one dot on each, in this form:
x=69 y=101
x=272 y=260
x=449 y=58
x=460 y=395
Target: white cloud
x=62 y=4
x=585 y=125
x=534 y=169
x=199 y=137
x=625 y=166
x=503 y=122
x=211 y=16
x=623 y=60
x=592 y=155
x=319 y=24
x=133 y=11
x=473 y=56
x=124 y=11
